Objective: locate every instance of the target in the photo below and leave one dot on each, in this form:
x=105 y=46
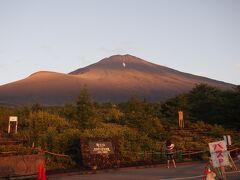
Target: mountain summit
x=119 y=63
x=113 y=79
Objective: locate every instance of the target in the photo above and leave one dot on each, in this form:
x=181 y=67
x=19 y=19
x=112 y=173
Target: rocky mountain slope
x=113 y=79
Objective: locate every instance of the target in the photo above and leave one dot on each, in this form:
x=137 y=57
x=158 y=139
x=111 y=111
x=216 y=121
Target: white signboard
x=12 y=119
x=219 y=153
x=227 y=140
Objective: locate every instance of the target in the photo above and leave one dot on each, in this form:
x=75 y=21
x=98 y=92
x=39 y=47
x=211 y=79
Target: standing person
x=169 y=153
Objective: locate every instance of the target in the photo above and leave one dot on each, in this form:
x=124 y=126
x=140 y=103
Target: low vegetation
x=138 y=125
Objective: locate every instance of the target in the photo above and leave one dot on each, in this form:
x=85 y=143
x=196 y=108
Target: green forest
x=138 y=125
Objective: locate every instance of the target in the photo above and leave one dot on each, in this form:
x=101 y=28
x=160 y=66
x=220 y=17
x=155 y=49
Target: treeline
x=207 y=104
x=137 y=124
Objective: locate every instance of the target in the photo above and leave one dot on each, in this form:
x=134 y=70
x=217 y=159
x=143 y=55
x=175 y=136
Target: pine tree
x=85 y=110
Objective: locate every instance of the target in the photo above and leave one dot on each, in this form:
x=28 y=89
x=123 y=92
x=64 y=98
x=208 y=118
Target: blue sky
x=196 y=36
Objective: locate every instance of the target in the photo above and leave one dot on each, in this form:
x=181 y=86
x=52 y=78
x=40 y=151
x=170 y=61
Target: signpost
x=227 y=139
x=219 y=154
x=180 y=119
x=12 y=119
x=99 y=153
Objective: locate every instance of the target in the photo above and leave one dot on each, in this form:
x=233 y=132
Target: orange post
x=41 y=172
x=180 y=119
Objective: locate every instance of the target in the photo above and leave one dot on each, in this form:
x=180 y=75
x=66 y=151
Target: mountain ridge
x=112 y=79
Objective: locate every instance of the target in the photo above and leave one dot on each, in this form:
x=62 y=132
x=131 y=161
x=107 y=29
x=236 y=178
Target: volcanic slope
x=113 y=79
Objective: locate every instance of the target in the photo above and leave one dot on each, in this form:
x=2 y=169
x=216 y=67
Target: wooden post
x=180 y=119
x=232 y=162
